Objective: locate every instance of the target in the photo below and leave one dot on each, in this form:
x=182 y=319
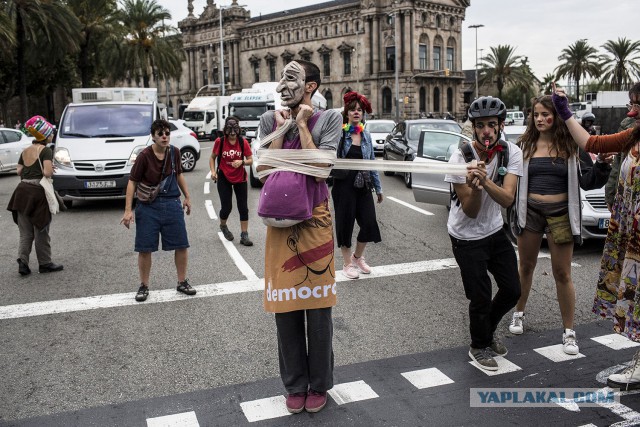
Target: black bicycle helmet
x=487 y=106
x=589 y=116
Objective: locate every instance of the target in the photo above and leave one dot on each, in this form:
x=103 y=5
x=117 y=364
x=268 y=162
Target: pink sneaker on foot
x=361 y=264
x=295 y=402
x=315 y=401
x=350 y=271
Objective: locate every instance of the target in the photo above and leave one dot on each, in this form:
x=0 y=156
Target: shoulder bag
x=148 y=193
x=49 y=192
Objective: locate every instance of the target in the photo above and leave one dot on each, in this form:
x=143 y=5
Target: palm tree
x=149 y=46
x=39 y=26
x=579 y=60
x=98 y=20
x=622 y=64
x=503 y=67
x=546 y=83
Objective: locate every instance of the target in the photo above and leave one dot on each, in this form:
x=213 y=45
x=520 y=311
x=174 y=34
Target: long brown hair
x=635 y=135
x=562 y=142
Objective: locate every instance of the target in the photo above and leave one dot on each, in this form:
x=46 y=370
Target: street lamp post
x=203 y=87
x=476 y=28
x=396 y=43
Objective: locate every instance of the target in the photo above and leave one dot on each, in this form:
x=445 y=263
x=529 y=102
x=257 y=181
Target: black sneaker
x=50 y=268
x=23 y=268
x=185 y=288
x=483 y=358
x=498 y=347
x=226 y=233
x=143 y=293
x=244 y=239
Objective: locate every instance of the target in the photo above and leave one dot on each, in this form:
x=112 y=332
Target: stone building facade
x=352 y=41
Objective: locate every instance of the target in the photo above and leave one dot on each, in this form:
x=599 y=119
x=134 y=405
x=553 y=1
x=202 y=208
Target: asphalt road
x=110 y=364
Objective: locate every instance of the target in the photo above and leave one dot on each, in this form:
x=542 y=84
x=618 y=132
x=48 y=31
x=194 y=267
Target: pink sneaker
x=361 y=264
x=295 y=402
x=315 y=401
x=350 y=271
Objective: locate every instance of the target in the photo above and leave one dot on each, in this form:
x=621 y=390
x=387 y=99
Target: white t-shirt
x=489 y=219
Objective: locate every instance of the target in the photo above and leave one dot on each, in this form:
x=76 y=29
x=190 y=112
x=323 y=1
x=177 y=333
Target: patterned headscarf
x=39 y=127
x=361 y=99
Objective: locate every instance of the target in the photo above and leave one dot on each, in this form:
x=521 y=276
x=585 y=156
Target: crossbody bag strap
x=40 y=161
x=164 y=165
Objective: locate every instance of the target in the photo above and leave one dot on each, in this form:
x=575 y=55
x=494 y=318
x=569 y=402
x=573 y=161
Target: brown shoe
x=315 y=401
x=295 y=402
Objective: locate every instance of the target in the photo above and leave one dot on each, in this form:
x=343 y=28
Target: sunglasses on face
x=481 y=125
x=165 y=133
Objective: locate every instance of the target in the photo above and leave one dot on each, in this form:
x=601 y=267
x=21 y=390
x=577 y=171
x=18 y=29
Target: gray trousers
x=29 y=234
x=303 y=368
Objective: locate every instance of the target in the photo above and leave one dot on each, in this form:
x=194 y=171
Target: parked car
x=379 y=129
x=438 y=146
x=187 y=141
x=12 y=142
x=402 y=142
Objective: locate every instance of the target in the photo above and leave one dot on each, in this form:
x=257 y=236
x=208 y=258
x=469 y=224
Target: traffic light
x=446 y=72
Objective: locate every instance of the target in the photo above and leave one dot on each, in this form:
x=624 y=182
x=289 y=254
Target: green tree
x=620 y=62
x=98 y=32
x=43 y=29
x=502 y=67
x=546 y=83
x=148 y=47
x=578 y=60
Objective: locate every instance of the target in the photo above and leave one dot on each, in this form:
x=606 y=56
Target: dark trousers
x=225 y=189
x=301 y=367
x=476 y=258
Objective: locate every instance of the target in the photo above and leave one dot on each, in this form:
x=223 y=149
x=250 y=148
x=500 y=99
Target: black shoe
x=244 y=239
x=143 y=293
x=185 y=288
x=225 y=231
x=23 y=268
x=51 y=267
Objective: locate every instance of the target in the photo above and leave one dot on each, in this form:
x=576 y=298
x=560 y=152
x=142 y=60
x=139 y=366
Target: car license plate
x=99 y=184
x=603 y=223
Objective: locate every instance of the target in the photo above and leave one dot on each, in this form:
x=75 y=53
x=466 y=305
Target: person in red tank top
x=234 y=153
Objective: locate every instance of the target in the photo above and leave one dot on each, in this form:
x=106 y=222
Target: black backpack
x=502 y=157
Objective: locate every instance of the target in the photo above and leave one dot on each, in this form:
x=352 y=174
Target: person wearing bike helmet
x=479 y=242
x=588 y=119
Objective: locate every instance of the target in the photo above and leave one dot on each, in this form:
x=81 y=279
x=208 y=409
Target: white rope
x=305 y=161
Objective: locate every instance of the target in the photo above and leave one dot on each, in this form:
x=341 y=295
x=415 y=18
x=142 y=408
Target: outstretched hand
x=560 y=102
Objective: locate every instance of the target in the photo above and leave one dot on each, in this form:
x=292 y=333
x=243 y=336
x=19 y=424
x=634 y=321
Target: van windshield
x=248 y=112
x=193 y=116
x=107 y=120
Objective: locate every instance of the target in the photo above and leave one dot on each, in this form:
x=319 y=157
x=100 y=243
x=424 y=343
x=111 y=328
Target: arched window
x=247 y=44
x=452 y=21
x=387 y=101
x=329 y=97
x=315 y=32
x=438 y=21
x=436 y=99
x=449 y=99
x=423 y=100
x=297 y=35
x=271 y=39
x=346 y=27
x=425 y=17
x=306 y=34
x=357 y=26
x=279 y=38
x=325 y=30
x=335 y=30
x=288 y=37
x=262 y=43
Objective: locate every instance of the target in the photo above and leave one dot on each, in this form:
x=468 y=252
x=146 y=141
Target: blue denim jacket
x=367 y=153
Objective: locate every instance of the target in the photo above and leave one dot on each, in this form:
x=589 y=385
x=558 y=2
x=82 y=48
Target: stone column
x=375 y=45
x=209 y=47
x=190 y=68
x=408 y=41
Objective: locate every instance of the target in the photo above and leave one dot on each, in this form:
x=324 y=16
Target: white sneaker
x=361 y=264
x=516 y=327
x=629 y=379
x=569 y=342
x=350 y=271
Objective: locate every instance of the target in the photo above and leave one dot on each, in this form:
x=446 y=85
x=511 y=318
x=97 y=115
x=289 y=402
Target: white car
x=186 y=140
x=379 y=129
x=12 y=142
x=437 y=146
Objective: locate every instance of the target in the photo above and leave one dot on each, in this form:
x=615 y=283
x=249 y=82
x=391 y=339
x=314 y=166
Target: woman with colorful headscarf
x=233 y=152
x=29 y=204
x=352 y=199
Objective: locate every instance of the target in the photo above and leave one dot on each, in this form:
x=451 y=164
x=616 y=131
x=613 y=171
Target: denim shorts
x=162 y=217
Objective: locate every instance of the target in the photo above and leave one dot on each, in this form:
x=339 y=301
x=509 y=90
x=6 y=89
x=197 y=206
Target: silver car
x=379 y=129
x=437 y=146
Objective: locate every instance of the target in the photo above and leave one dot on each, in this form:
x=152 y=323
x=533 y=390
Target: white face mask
x=291 y=86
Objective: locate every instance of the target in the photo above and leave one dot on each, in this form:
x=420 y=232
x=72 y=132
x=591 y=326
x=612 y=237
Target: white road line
x=352 y=392
x=210 y=210
x=265 y=409
x=425 y=378
x=208 y=177
x=43 y=308
x=206 y=187
x=410 y=206
x=556 y=354
x=615 y=341
x=238 y=260
x=186 y=419
x=504 y=367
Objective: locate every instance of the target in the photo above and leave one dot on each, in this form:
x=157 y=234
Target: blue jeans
x=493 y=254
x=164 y=217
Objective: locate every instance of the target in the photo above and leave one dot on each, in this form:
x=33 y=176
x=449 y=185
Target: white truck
x=100 y=135
x=205 y=115
x=248 y=106
x=608 y=98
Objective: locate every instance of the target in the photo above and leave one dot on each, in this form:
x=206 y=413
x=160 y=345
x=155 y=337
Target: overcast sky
x=539 y=29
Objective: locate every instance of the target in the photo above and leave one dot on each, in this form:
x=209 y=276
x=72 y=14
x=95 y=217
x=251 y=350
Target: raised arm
x=561 y=103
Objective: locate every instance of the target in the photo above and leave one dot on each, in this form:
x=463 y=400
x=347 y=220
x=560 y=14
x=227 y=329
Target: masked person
x=233 y=153
x=479 y=242
x=617 y=292
x=588 y=119
x=549 y=203
x=299 y=271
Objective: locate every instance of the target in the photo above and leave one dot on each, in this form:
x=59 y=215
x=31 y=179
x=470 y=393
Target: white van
x=205 y=115
x=514 y=118
x=100 y=135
